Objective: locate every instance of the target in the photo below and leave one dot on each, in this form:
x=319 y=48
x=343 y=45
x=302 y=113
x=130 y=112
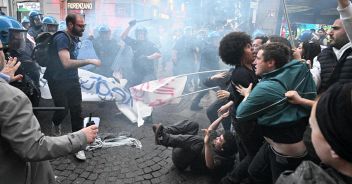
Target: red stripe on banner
x=165 y=90
x=165 y=93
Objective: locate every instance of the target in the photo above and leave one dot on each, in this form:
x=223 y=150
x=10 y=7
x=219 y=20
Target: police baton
x=143 y=20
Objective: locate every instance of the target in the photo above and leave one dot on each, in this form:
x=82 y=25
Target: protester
x=257 y=42
x=25 y=151
x=211 y=153
x=307 y=52
x=222 y=80
x=281 y=123
x=62 y=76
x=236 y=49
x=322 y=37
x=334 y=62
x=330 y=120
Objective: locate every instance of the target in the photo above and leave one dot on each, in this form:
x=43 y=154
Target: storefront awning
x=312 y=11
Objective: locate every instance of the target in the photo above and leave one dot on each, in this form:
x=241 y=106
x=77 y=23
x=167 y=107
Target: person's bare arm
x=294 y=98
x=69 y=63
x=209 y=160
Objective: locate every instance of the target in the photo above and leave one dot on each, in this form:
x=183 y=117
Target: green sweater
x=267 y=102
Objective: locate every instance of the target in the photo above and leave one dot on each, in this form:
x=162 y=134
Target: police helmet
x=34 y=13
x=50 y=20
x=25 y=20
x=104 y=28
x=35 y=18
x=50 y=24
x=6 y=24
x=62 y=25
x=140 y=31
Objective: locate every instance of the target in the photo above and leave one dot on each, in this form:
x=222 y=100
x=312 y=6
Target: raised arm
x=128 y=29
x=209 y=160
x=345 y=10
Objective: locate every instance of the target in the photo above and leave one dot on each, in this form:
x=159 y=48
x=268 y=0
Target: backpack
x=43 y=51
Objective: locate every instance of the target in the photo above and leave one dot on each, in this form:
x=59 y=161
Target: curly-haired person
x=236 y=50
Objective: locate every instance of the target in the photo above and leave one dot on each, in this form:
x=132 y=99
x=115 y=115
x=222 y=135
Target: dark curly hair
x=276 y=51
x=232 y=46
x=229 y=147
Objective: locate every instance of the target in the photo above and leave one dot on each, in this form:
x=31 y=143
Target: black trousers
x=187 y=145
x=212 y=114
x=249 y=141
x=67 y=93
x=267 y=165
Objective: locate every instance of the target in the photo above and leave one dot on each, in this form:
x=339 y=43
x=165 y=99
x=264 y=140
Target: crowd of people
x=289 y=110
x=285 y=112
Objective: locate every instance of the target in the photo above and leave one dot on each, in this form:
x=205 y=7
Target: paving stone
x=147 y=170
x=155 y=180
x=73 y=176
x=155 y=167
x=79 y=180
x=147 y=176
x=146 y=182
x=93 y=177
x=85 y=174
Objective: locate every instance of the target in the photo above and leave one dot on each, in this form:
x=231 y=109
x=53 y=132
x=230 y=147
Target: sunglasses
x=82 y=26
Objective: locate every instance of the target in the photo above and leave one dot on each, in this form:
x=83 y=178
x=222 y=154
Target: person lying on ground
x=211 y=153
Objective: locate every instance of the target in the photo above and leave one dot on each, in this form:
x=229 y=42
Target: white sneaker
x=55 y=129
x=81 y=155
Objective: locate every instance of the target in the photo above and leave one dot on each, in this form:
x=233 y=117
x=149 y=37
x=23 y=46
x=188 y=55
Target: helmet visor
x=17 y=39
x=37 y=20
x=51 y=28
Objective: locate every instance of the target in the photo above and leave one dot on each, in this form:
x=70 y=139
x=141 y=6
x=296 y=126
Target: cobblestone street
x=125 y=164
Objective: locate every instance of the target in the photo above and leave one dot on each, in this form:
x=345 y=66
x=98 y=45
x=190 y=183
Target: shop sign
x=79 y=5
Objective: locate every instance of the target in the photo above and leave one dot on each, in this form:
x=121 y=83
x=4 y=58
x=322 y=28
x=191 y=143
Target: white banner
x=153 y=94
x=135 y=106
x=94 y=88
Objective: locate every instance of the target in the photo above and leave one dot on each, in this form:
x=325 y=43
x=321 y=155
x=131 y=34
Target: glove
x=132 y=23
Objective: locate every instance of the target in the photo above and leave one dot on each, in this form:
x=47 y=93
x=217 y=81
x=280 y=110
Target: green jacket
x=267 y=102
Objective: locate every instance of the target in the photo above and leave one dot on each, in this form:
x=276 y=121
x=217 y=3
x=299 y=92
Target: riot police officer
x=35 y=20
x=144 y=53
x=106 y=48
x=50 y=24
x=13 y=37
x=25 y=23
